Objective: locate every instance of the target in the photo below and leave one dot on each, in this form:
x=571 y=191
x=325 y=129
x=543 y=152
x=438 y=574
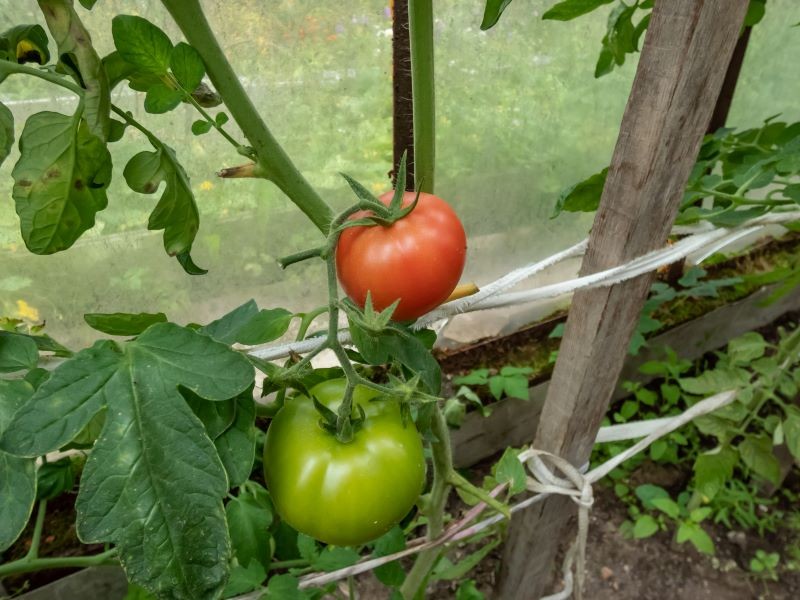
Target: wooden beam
x=683 y=62
x=402 y=107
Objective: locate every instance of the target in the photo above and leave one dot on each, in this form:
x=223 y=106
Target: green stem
x=465 y=486
x=306 y=319
x=9 y=68
x=36 y=538
x=276 y=164
x=414 y=585
x=300 y=256
x=151 y=137
x=26 y=565
x=420 y=24
x=240 y=148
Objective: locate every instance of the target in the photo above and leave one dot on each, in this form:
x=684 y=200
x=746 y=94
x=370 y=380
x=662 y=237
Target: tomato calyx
x=370 y=320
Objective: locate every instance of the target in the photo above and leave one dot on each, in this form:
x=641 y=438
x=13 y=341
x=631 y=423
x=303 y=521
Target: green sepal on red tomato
x=343 y=494
x=417 y=259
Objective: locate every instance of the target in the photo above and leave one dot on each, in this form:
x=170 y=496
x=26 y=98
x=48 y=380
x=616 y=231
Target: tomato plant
x=417 y=259
x=343 y=493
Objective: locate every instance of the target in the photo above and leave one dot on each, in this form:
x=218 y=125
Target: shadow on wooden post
x=683 y=62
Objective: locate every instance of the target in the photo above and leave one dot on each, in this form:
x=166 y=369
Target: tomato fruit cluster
x=343 y=494
x=418 y=259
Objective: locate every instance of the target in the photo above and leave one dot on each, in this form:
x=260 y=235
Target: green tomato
x=343 y=494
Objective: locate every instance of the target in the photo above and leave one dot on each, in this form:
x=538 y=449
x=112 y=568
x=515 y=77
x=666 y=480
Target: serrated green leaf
x=583 y=196
x=75 y=48
x=227 y=328
x=454 y=412
x=249 y=517
x=791 y=432
x=172 y=539
x=445 y=570
x=176 y=212
x=17 y=352
x=747 y=348
x=712 y=469
x=645 y=526
x=187 y=66
x=244 y=579
x=284 y=587
x=161 y=98
x=123 y=323
x=215 y=416
x=714 y=381
x=236 y=445
x=756 y=453
x=141 y=43
x=54 y=478
x=391 y=574
x=467 y=591
x=570 y=9
x=60 y=181
x=491 y=14
x=332 y=558
x=266 y=326
x=510 y=469
x=413 y=354
x=17 y=475
x=6 y=132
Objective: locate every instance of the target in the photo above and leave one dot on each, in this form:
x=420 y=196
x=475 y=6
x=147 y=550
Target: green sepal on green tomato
x=343 y=494
x=417 y=259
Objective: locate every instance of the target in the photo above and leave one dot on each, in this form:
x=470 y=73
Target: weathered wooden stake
x=403 y=107
x=684 y=58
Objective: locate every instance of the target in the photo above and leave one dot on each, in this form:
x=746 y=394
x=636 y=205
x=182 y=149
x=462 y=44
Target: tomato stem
x=277 y=166
x=27 y=565
x=301 y=256
x=420 y=24
x=416 y=580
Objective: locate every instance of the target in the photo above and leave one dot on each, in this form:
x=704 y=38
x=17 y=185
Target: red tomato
x=418 y=259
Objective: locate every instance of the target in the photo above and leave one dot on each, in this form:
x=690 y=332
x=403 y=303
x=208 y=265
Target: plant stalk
x=276 y=164
x=414 y=585
x=27 y=565
x=420 y=23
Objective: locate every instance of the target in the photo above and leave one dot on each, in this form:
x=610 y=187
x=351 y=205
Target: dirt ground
x=655 y=568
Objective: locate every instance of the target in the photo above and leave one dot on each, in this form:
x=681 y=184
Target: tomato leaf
x=236 y=445
x=141 y=43
x=391 y=574
x=446 y=570
x=186 y=66
x=17 y=475
x=227 y=328
x=60 y=181
x=266 y=326
x=249 y=515
x=510 y=469
x=567 y=10
x=24 y=43
x=215 y=416
x=160 y=98
x=171 y=539
x=756 y=453
x=75 y=49
x=583 y=196
x=17 y=352
x=712 y=469
x=284 y=587
x=244 y=579
x=54 y=478
x=791 y=431
x=176 y=212
x=491 y=14
x=123 y=323
x=6 y=132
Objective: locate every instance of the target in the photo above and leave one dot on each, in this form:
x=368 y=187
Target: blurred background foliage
x=519 y=116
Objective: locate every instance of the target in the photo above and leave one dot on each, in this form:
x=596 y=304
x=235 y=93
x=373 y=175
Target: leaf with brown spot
x=56 y=151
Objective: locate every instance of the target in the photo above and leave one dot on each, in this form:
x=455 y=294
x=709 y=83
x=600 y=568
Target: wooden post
x=402 y=107
x=684 y=58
